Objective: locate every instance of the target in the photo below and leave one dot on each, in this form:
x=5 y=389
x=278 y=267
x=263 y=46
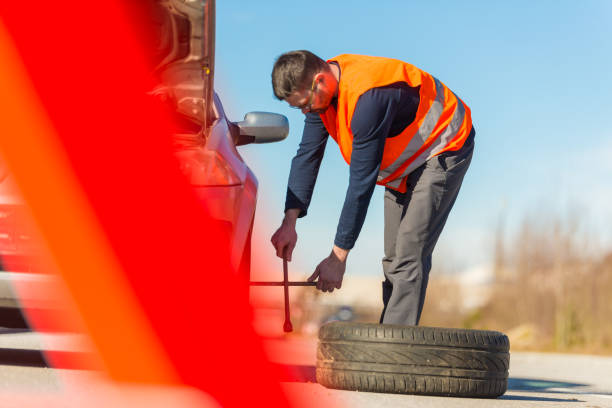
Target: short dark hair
x=294 y=70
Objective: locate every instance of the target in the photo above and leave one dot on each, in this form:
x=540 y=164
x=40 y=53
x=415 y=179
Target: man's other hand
x=285 y=237
x=331 y=270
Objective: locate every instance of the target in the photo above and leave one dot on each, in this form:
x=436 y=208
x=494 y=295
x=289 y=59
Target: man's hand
x=331 y=270
x=285 y=237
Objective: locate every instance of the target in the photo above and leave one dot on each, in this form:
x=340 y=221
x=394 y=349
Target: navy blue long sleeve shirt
x=380 y=113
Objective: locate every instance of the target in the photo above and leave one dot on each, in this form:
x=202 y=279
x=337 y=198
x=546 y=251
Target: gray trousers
x=413 y=223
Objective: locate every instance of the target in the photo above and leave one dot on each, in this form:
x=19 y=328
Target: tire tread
x=413 y=360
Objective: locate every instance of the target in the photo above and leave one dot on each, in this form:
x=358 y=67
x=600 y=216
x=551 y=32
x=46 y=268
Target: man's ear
x=319 y=78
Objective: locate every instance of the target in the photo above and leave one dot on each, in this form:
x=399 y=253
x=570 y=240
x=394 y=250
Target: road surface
x=536 y=379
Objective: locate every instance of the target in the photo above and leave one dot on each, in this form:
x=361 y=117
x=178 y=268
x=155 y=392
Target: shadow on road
x=35 y=358
x=541 y=386
x=12 y=318
x=24 y=358
x=544 y=399
x=531 y=384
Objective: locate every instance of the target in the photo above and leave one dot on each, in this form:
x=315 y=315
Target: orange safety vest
x=442 y=123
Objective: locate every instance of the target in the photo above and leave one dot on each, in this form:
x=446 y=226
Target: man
x=396 y=126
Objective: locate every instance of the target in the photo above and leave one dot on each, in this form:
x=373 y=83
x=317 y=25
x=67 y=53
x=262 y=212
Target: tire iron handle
x=290 y=283
x=287 y=326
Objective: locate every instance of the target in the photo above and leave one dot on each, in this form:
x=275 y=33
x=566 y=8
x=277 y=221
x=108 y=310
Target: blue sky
x=537 y=76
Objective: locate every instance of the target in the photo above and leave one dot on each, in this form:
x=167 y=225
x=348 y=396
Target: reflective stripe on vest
x=442 y=121
x=410 y=160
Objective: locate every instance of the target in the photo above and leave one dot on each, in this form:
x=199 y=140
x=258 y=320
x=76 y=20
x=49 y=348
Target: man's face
x=316 y=99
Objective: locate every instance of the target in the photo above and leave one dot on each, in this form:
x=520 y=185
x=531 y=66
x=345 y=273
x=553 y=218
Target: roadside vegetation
x=552 y=291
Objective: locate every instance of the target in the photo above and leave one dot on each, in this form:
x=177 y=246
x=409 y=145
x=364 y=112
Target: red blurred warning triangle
x=147 y=270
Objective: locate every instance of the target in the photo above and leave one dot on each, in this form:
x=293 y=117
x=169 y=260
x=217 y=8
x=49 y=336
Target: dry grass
x=552 y=292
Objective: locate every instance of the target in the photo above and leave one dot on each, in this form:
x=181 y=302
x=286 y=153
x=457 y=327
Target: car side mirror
x=262 y=127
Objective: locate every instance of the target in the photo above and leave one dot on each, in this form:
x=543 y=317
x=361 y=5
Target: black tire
x=413 y=360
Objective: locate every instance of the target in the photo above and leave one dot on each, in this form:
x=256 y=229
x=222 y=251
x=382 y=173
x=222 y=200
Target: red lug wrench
x=287 y=326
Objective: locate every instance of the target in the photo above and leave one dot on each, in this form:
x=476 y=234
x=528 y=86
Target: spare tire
x=413 y=360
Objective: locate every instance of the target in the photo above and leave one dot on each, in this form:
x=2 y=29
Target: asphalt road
x=536 y=379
